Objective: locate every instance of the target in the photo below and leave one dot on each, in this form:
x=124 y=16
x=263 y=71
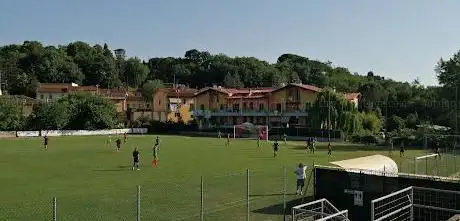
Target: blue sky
x=399 y=39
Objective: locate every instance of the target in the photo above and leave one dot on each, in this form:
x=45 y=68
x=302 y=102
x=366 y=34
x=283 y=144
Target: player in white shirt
x=301 y=175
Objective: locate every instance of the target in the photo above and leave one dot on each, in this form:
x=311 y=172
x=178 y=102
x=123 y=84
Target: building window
x=177 y=115
x=251 y=106
x=261 y=107
x=307 y=106
x=192 y=106
x=222 y=106
x=244 y=105
x=148 y=105
x=278 y=107
x=202 y=107
x=42 y=96
x=236 y=107
x=245 y=119
x=50 y=96
x=159 y=102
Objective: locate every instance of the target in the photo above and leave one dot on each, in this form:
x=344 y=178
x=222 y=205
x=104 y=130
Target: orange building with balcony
x=225 y=107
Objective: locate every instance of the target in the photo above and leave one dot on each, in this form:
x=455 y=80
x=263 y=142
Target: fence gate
x=319 y=210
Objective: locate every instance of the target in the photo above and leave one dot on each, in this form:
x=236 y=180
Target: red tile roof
x=181 y=92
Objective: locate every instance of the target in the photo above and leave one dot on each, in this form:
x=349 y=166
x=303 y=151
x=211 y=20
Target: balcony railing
x=249 y=112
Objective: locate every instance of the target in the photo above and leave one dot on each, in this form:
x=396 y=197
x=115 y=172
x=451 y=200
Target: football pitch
x=92 y=181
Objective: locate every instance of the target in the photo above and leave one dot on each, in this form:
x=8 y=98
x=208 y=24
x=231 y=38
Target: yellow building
x=290 y=104
x=53 y=91
x=174 y=104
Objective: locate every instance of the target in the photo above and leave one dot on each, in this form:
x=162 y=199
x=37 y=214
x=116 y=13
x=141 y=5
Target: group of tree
x=22 y=66
x=73 y=112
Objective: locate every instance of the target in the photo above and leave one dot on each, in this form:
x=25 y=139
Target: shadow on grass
x=277 y=209
x=119 y=168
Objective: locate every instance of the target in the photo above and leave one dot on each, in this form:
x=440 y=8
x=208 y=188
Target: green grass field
x=94 y=182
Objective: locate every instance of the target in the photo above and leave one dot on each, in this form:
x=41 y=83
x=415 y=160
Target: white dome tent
x=373 y=164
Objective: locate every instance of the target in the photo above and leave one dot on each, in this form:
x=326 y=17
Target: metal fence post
x=54 y=209
x=202 y=200
x=412 y=204
x=138 y=202
x=284 y=194
x=426 y=166
x=372 y=211
x=247 y=195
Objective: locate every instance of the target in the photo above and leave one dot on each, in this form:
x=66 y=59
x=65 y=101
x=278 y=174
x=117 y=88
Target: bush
x=367 y=138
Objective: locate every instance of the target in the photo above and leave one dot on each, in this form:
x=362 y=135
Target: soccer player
x=155 y=160
x=228 y=140
x=275 y=148
x=219 y=134
x=258 y=141
x=313 y=145
x=157 y=142
x=125 y=135
x=301 y=175
x=109 y=141
x=438 y=151
x=118 y=144
x=329 y=149
x=285 y=138
x=136 y=159
x=401 y=151
x=45 y=141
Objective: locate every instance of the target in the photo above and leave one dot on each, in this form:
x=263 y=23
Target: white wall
x=53 y=133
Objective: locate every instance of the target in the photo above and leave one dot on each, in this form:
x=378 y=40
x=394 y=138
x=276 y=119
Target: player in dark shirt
x=329 y=149
x=157 y=141
x=118 y=144
x=136 y=159
x=401 y=151
x=45 y=141
x=275 y=149
x=125 y=135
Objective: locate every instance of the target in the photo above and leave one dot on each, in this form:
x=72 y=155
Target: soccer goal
x=446 y=143
x=319 y=210
x=249 y=130
x=427 y=164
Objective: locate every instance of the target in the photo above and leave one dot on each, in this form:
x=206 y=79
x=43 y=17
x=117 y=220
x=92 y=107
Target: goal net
x=249 y=130
x=427 y=164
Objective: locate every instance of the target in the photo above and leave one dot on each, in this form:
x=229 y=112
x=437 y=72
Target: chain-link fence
x=445 y=165
x=256 y=194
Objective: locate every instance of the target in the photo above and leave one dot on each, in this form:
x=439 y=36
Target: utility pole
x=456 y=117
x=1 y=83
x=329 y=115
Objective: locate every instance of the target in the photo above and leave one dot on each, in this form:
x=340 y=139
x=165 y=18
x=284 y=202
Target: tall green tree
x=50 y=116
x=149 y=88
x=135 y=72
x=11 y=117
